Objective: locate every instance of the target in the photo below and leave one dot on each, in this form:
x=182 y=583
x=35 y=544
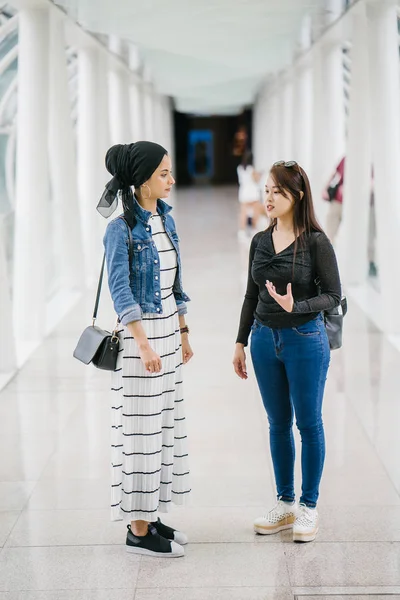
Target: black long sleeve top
x=315 y=260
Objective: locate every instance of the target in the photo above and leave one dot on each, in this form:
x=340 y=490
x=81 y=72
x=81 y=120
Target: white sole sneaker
x=176 y=551
x=271 y=529
x=305 y=537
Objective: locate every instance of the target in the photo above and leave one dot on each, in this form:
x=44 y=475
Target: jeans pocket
x=309 y=329
x=254 y=326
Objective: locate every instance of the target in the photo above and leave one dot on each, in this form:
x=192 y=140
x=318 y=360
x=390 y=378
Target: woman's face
x=161 y=181
x=276 y=204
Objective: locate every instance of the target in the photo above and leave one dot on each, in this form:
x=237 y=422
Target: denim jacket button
x=156 y=277
x=139 y=247
x=157 y=293
x=158 y=310
x=147 y=228
x=156 y=261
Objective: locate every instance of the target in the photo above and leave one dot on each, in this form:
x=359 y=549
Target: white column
x=62 y=161
x=90 y=159
x=357 y=177
x=328 y=118
x=134 y=94
x=103 y=122
x=32 y=194
x=134 y=104
x=385 y=100
x=287 y=118
x=334 y=104
x=302 y=118
x=319 y=173
x=120 y=126
x=148 y=112
x=8 y=359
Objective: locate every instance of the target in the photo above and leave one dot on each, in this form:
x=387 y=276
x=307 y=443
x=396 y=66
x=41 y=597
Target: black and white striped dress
x=149 y=459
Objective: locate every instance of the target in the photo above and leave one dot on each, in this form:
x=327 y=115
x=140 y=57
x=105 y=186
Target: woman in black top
x=283 y=308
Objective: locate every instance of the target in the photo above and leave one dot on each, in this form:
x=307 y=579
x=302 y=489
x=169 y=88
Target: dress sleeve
x=250 y=299
x=327 y=272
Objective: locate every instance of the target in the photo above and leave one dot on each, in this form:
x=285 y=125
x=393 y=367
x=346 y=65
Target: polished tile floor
x=56 y=540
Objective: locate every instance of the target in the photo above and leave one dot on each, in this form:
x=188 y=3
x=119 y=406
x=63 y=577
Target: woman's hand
x=285 y=301
x=187 y=351
x=150 y=359
x=239 y=361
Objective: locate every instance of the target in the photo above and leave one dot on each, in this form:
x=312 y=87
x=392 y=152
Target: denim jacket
x=138 y=290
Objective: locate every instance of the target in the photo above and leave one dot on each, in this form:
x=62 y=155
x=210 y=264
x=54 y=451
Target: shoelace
x=305 y=516
x=276 y=509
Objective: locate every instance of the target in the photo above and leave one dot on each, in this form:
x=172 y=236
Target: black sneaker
x=169 y=533
x=152 y=544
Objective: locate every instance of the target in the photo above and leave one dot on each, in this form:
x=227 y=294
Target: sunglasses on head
x=282 y=163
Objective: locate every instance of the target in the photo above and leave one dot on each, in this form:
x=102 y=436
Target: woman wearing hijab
x=149 y=444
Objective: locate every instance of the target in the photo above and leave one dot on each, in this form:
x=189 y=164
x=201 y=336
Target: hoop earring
x=149 y=196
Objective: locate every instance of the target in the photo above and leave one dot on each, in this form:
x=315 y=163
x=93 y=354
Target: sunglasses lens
x=279 y=163
x=291 y=163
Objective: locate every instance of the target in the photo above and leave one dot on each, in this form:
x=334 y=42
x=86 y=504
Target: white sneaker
x=282 y=516
x=305 y=527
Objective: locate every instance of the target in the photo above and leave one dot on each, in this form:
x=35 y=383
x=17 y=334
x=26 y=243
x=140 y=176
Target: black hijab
x=130 y=165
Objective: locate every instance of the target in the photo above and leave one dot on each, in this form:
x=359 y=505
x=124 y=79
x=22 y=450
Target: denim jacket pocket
x=141 y=255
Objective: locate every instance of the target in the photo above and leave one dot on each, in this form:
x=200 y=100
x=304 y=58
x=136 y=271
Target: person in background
x=334 y=195
x=249 y=193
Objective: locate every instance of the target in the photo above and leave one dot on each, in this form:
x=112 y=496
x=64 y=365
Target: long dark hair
x=293 y=180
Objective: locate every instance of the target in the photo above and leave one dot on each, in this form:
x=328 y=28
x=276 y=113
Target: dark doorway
x=209 y=149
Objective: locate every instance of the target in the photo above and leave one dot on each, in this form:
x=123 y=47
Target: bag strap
x=313 y=241
x=100 y=284
x=343 y=301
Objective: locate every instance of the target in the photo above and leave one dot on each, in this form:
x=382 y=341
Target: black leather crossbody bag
x=96 y=345
x=333 y=317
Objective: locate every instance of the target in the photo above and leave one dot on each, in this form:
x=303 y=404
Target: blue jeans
x=291 y=366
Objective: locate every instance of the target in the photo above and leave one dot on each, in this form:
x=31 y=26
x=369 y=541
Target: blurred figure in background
x=334 y=195
x=249 y=193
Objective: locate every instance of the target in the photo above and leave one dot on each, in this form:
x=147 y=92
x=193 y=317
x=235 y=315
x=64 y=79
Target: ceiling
x=210 y=56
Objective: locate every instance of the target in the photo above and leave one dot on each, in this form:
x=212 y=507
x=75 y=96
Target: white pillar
x=328 y=118
x=302 y=118
x=8 y=359
x=134 y=105
x=287 y=118
x=148 y=113
x=357 y=176
x=103 y=122
x=32 y=194
x=135 y=94
x=120 y=126
x=334 y=104
x=62 y=161
x=385 y=100
x=90 y=159
x=319 y=173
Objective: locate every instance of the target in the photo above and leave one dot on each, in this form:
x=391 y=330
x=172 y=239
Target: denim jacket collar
x=144 y=215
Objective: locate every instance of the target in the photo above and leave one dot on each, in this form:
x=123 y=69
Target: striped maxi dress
x=149 y=456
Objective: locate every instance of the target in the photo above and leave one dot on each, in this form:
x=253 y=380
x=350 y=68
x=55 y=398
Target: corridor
x=57 y=540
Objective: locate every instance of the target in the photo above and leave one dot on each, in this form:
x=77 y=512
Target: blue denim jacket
x=137 y=290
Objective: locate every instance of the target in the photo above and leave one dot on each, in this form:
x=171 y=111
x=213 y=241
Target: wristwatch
x=185 y=329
